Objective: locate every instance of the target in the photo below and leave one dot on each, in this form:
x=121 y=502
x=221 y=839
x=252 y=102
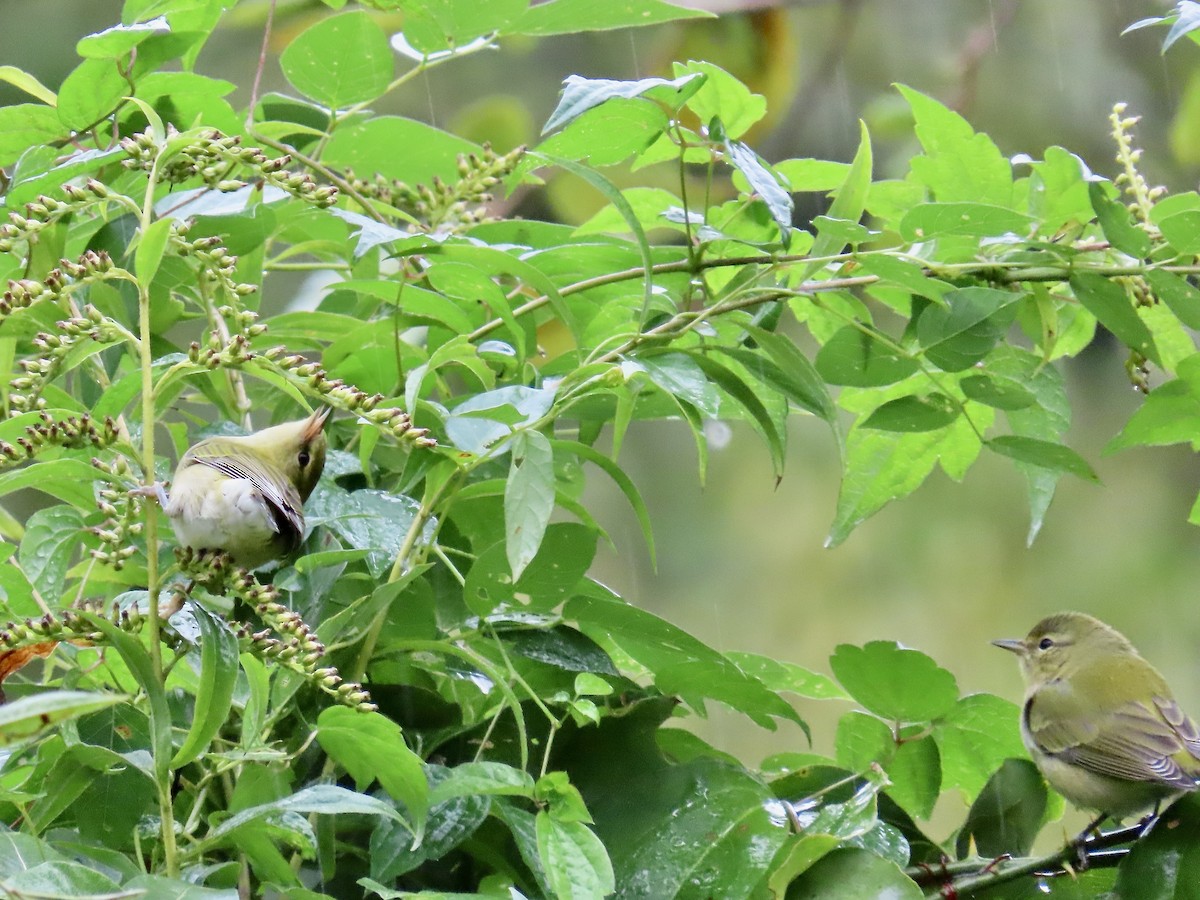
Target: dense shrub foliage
x=433 y=695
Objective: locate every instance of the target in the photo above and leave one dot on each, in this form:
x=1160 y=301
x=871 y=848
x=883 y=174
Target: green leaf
x=975 y=737
x=29 y=716
x=325 y=799
x=723 y=97
x=48 y=547
x=913 y=413
x=894 y=682
x=861 y=740
x=62 y=878
x=450 y=26
x=573 y=16
x=679 y=662
x=369 y=519
x=852 y=872
x=1046 y=454
x=848 y=205
x=528 y=498
x=137 y=658
x=22 y=80
x=400 y=148
x=882 y=466
x=1008 y=814
x=780 y=676
x=218 y=647
x=1178 y=294
x=565 y=554
x=26 y=125
x=339 y=61
x=623 y=481
x=370 y=747
x=1166 y=862
x=1109 y=303
x=90 y=93
x=732 y=384
x=958 y=165
x=115 y=42
x=609 y=134
x=791 y=373
x=486 y=779
x=932 y=220
x=997 y=391
x=580 y=94
x=150 y=248
x=855 y=356
x=573 y=858
x=892 y=270
x=765 y=185
x=964 y=331
x=915 y=771
x=1115 y=221
x=1182 y=231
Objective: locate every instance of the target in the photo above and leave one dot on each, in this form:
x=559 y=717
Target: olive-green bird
x=1099 y=721
x=245 y=495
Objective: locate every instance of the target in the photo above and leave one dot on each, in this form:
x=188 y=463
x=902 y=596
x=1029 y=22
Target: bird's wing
x=280 y=495
x=1136 y=741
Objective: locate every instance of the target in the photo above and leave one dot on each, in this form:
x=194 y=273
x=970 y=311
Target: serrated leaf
x=975 y=737
x=894 y=682
x=959 y=164
x=48 y=547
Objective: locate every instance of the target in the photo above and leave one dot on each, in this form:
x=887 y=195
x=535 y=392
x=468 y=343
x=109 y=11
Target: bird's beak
x=315 y=423
x=1012 y=644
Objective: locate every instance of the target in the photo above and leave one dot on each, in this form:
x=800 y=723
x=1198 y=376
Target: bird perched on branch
x=245 y=496
x=1099 y=721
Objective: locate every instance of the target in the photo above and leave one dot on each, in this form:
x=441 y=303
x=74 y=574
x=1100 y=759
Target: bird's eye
x=304 y=459
x=1045 y=644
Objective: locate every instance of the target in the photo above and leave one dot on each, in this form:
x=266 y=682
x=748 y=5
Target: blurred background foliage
x=741 y=560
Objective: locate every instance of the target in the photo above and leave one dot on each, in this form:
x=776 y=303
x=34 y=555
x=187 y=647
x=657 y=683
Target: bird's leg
x=1147 y=824
x=155 y=490
x=1080 y=842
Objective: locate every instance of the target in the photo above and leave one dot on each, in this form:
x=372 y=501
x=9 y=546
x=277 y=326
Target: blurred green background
x=741 y=561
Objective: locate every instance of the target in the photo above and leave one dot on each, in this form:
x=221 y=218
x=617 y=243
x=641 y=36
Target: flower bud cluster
x=445 y=206
x=218 y=160
x=296 y=647
x=216 y=261
x=25 y=292
x=53 y=349
x=337 y=393
x=68 y=625
x=72 y=432
x=1142 y=196
x=236 y=352
x=123 y=521
x=45 y=211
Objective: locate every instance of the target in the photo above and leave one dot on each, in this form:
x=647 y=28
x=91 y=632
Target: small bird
x=245 y=495
x=1100 y=721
